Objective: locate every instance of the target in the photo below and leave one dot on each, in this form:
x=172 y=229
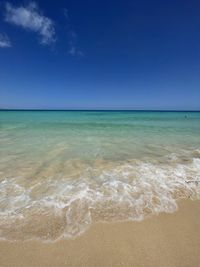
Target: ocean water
x=61 y=171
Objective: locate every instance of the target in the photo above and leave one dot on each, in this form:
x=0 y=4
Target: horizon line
x=138 y=110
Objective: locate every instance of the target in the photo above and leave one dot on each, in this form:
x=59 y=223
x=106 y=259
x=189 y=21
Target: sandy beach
x=163 y=240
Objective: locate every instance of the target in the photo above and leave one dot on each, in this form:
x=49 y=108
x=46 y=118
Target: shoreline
x=162 y=240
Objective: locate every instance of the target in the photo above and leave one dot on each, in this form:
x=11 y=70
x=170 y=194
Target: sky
x=122 y=54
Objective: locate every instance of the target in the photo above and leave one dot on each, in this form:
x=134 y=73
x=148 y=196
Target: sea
x=62 y=171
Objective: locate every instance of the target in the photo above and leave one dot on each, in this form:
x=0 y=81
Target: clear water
x=60 y=170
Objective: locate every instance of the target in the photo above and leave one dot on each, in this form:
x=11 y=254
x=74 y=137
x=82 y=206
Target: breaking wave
x=61 y=207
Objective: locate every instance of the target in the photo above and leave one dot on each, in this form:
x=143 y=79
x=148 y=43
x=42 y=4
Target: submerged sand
x=163 y=240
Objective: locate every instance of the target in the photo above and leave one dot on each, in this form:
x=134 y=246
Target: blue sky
x=100 y=54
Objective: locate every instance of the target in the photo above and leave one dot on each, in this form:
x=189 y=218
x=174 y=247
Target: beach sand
x=163 y=240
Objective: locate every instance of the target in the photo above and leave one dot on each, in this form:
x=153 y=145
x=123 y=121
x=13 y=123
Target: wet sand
x=163 y=240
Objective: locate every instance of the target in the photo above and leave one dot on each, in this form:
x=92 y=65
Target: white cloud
x=73 y=49
x=30 y=18
x=66 y=13
x=4 y=41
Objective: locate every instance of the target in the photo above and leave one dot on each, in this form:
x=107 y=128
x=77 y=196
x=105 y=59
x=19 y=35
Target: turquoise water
x=62 y=170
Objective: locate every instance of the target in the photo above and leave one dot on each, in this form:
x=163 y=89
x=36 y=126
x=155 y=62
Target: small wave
x=64 y=208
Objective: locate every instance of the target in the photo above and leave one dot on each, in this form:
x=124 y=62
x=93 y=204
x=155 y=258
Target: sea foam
x=62 y=207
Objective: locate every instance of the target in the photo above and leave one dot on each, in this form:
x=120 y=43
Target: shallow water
x=60 y=170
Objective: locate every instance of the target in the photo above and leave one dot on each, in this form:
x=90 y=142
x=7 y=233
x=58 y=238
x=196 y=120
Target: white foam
x=125 y=192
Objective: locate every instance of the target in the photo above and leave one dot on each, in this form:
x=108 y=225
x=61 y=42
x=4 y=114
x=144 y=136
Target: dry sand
x=164 y=240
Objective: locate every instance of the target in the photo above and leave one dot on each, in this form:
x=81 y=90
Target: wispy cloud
x=4 y=41
x=73 y=48
x=66 y=13
x=73 y=45
x=31 y=18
